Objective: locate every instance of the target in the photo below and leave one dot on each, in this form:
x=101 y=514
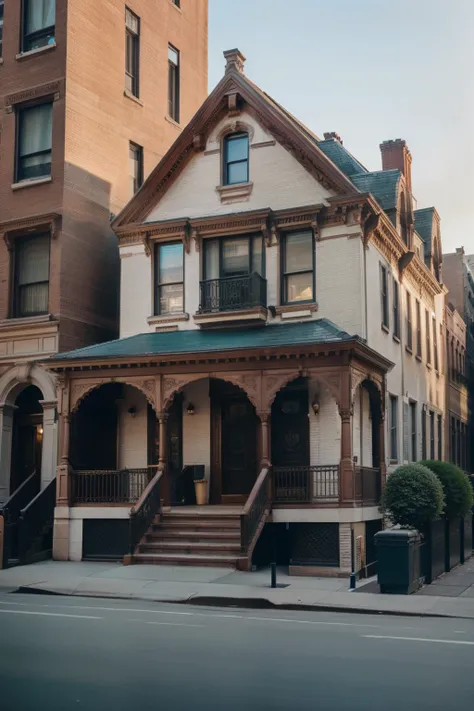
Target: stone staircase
x=208 y=536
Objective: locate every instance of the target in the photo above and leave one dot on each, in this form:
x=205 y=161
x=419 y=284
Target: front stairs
x=207 y=536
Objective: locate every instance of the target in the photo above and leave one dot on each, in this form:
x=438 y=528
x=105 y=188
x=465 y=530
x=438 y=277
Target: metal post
x=352 y=584
x=274 y=562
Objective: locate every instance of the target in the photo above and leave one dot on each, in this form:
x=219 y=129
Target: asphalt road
x=62 y=653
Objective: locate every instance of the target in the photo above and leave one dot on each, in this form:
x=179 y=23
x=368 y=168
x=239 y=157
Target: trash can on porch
x=398 y=561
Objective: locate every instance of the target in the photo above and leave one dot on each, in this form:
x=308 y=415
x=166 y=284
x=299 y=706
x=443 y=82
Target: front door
x=238 y=448
x=290 y=428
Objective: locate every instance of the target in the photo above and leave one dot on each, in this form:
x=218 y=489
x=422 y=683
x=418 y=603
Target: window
x=1 y=26
x=132 y=51
x=34 y=142
x=233 y=257
x=435 y=346
x=136 y=167
x=413 y=453
x=409 y=323
x=169 y=271
x=418 y=329
x=236 y=159
x=38 y=24
x=173 y=83
x=297 y=267
x=396 y=310
x=31 y=276
x=428 y=337
x=423 y=433
x=440 y=437
x=393 y=428
x=432 y=435
x=384 y=295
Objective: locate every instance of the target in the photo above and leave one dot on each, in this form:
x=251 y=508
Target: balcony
x=319 y=485
x=241 y=298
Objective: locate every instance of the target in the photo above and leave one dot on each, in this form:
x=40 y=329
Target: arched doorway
x=27 y=436
x=290 y=426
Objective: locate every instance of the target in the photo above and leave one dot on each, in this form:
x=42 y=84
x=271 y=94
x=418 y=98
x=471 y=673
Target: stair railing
x=10 y=512
x=255 y=513
x=145 y=510
x=36 y=519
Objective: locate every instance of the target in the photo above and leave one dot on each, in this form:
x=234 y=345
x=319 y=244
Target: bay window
x=297 y=267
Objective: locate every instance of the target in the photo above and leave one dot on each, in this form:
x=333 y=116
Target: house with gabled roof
x=279 y=352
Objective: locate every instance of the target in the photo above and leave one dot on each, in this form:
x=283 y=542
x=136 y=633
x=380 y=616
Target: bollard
x=352 y=584
x=274 y=575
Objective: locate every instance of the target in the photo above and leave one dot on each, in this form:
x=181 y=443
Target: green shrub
x=413 y=496
x=457 y=488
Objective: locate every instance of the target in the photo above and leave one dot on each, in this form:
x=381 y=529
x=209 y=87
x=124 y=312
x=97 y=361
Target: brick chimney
x=333 y=134
x=395 y=155
x=234 y=60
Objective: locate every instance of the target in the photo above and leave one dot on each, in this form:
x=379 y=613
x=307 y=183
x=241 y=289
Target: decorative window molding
x=234 y=193
x=51 y=89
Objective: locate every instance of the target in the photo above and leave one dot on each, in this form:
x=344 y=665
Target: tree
x=413 y=496
x=457 y=489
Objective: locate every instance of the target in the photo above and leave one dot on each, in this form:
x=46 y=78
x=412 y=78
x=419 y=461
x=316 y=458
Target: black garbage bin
x=398 y=561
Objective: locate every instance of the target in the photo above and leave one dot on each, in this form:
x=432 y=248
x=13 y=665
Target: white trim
x=367 y=513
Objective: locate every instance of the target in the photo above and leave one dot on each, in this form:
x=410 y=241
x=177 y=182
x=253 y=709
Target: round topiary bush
x=457 y=488
x=413 y=496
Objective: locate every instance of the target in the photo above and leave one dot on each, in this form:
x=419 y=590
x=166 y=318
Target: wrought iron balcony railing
x=233 y=293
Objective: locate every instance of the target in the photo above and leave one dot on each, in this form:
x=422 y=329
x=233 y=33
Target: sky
x=371 y=70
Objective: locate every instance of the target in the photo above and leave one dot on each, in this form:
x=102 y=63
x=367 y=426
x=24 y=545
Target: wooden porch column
x=264 y=418
x=346 y=483
x=163 y=419
x=63 y=479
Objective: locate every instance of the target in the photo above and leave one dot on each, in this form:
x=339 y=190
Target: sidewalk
x=220 y=586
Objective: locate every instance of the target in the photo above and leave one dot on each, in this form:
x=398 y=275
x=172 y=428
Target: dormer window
x=236 y=159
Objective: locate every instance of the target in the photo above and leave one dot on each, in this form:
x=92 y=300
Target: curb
x=256 y=603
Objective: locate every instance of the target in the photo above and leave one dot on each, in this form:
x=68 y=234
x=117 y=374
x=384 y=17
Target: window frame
x=137 y=180
x=419 y=351
x=157 y=285
x=284 y=274
x=385 y=306
x=428 y=337
x=134 y=62
x=251 y=236
x=19 y=118
x=225 y=163
x=396 y=309
x=174 y=85
x=413 y=431
x=409 y=323
x=15 y=302
x=31 y=36
x=393 y=425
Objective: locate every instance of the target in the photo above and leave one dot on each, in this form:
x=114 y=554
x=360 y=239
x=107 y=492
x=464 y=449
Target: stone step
x=165 y=525
x=161 y=534
x=215 y=561
x=189 y=547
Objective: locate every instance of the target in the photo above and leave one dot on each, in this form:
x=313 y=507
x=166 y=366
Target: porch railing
x=107 y=486
x=368 y=485
x=306 y=485
x=233 y=293
x=11 y=511
x=36 y=524
x=143 y=513
x=255 y=512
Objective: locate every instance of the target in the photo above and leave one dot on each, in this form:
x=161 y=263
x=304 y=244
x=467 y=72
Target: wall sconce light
x=132 y=411
x=190 y=409
x=315 y=406
x=40 y=430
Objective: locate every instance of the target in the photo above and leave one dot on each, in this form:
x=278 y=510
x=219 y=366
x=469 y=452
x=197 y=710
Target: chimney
x=234 y=60
x=395 y=155
x=333 y=134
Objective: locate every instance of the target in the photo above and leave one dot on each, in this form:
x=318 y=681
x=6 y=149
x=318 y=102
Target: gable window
x=236 y=159
x=31 y=276
x=173 y=83
x=132 y=51
x=169 y=278
x=435 y=346
x=384 y=295
x=38 y=24
x=428 y=337
x=413 y=434
x=418 y=329
x=34 y=142
x=135 y=153
x=393 y=428
x=409 y=323
x=233 y=270
x=396 y=310
x=297 y=267
x=1 y=26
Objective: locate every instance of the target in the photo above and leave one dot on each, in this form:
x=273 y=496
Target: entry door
x=26 y=454
x=238 y=449
x=290 y=429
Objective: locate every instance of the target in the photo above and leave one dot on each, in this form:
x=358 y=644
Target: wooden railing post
x=264 y=417
x=346 y=481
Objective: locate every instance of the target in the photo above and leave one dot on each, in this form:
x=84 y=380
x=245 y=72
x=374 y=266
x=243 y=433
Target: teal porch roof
x=209 y=341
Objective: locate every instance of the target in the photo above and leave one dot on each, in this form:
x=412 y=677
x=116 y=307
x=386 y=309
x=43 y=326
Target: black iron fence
x=233 y=293
x=109 y=486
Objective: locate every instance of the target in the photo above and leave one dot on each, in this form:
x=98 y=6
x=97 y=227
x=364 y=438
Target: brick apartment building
x=91 y=96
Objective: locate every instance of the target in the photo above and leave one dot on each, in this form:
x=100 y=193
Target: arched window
x=236 y=159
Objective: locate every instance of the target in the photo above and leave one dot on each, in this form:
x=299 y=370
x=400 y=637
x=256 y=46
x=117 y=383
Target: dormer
x=427 y=225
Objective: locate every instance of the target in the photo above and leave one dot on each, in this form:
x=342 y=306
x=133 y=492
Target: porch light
x=190 y=409
x=315 y=406
x=40 y=430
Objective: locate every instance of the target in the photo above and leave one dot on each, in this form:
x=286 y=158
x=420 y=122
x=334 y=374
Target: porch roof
x=318 y=331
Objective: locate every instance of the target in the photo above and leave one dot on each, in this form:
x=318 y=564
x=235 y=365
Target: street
x=61 y=653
